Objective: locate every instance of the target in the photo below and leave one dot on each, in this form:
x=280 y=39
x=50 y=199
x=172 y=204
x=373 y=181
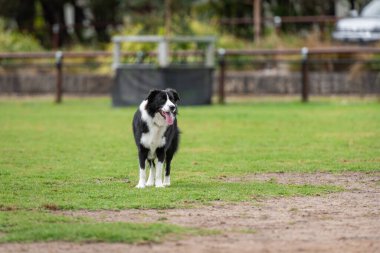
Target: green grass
x=39 y=226
x=81 y=155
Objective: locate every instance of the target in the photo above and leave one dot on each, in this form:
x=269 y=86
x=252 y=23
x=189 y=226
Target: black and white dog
x=156 y=135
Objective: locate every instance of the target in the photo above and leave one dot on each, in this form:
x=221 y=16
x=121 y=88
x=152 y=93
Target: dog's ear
x=152 y=94
x=175 y=94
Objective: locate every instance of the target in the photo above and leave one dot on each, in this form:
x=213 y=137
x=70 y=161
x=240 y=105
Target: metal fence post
x=222 y=65
x=210 y=54
x=116 y=54
x=305 y=75
x=163 y=53
x=58 y=65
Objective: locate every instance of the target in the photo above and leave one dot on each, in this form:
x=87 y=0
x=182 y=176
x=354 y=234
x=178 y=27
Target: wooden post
x=256 y=20
x=277 y=24
x=56 y=32
x=304 y=75
x=167 y=17
x=322 y=30
x=58 y=65
x=222 y=69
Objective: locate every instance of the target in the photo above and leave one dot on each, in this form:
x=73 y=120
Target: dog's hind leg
x=152 y=173
x=143 y=154
x=168 y=159
x=161 y=158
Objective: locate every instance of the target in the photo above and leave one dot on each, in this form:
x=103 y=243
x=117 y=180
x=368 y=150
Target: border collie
x=156 y=135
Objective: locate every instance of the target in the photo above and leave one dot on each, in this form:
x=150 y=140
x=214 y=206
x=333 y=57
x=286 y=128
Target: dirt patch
x=348 y=180
x=340 y=222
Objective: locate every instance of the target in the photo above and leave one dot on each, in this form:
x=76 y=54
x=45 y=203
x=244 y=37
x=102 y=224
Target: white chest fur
x=153 y=139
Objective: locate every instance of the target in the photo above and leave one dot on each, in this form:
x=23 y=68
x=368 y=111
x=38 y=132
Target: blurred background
x=258 y=47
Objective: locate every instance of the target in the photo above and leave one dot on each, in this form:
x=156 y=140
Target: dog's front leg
x=161 y=157
x=152 y=173
x=143 y=154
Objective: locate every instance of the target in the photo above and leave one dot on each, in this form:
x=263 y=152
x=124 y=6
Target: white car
x=363 y=28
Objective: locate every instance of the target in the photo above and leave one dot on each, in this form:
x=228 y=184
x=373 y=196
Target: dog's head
x=163 y=103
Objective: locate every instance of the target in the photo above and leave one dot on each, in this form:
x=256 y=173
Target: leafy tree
x=25 y=14
x=40 y=17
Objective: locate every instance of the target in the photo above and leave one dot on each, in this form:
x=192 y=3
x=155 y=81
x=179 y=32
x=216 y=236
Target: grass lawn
x=30 y=226
x=81 y=155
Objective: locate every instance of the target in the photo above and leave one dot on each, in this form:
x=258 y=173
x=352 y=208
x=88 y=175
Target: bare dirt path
x=347 y=221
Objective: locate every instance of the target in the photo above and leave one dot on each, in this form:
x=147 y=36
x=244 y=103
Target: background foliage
x=96 y=20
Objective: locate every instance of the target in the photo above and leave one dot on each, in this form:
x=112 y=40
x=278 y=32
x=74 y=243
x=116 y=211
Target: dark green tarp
x=132 y=83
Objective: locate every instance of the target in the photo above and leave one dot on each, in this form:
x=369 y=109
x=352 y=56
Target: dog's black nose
x=172 y=108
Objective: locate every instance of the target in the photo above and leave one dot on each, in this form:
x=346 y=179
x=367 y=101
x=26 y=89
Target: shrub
x=11 y=41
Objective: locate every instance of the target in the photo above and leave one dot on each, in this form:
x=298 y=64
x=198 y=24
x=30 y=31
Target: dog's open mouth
x=167 y=116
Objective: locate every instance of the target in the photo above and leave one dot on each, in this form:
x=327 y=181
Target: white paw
x=159 y=185
x=149 y=183
x=167 y=181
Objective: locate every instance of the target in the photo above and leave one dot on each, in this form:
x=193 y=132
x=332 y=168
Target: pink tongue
x=169 y=118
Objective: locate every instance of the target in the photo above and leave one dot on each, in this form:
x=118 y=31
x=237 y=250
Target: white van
x=363 y=28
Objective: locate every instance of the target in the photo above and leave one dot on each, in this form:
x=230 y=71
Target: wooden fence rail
x=222 y=62
x=303 y=53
